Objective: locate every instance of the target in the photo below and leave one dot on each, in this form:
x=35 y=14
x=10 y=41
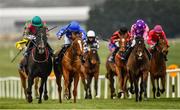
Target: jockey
x=114 y=41
x=91 y=42
x=72 y=28
x=30 y=30
x=154 y=36
x=139 y=29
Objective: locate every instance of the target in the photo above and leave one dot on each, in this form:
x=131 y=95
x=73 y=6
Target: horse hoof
x=158 y=94
x=39 y=102
x=29 y=99
x=86 y=97
x=90 y=97
x=45 y=97
x=119 y=94
x=162 y=91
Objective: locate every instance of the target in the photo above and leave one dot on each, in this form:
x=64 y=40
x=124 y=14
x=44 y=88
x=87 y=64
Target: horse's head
x=92 y=56
x=77 y=47
x=139 y=48
x=41 y=40
x=123 y=44
x=162 y=47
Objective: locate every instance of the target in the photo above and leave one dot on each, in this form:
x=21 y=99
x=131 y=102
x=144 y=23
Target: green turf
x=92 y=104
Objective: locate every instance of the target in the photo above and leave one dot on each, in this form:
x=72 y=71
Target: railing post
x=173 y=87
x=148 y=85
x=167 y=86
x=106 y=89
x=178 y=84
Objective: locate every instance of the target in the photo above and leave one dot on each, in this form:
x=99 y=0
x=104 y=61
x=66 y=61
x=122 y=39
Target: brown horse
x=158 y=66
x=138 y=67
x=69 y=67
x=118 y=69
x=92 y=64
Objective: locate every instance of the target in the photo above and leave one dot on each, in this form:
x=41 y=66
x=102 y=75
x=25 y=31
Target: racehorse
x=39 y=65
x=70 y=68
x=118 y=69
x=158 y=66
x=92 y=64
x=138 y=66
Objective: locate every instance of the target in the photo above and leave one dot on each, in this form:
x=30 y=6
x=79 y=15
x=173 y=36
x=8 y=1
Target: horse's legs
x=111 y=85
x=143 y=85
x=69 y=87
x=58 y=78
x=163 y=80
x=136 y=88
x=83 y=79
x=124 y=86
x=23 y=82
x=58 y=81
x=153 y=86
x=76 y=80
x=158 y=89
x=36 y=82
x=89 y=80
x=45 y=91
x=43 y=80
x=29 y=89
x=66 y=83
x=96 y=83
x=131 y=83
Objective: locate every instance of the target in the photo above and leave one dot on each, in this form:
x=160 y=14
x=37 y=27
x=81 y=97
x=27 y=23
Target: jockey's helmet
x=36 y=21
x=91 y=33
x=158 y=29
x=123 y=30
x=74 y=27
x=140 y=25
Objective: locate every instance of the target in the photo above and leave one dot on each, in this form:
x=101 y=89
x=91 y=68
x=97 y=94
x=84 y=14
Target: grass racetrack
x=162 y=103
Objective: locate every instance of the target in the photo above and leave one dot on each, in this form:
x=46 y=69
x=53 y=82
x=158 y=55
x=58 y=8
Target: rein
x=39 y=61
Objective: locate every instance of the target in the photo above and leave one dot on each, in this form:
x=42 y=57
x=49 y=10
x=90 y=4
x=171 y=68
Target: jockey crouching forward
x=154 y=35
x=114 y=41
x=139 y=29
x=91 y=42
x=30 y=30
x=69 y=32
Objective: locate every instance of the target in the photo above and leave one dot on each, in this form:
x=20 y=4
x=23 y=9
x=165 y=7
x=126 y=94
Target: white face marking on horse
x=80 y=44
x=123 y=40
x=140 y=54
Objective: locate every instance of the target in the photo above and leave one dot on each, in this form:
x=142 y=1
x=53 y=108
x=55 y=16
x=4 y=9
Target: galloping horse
x=92 y=64
x=138 y=67
x=70 y=68
x=39 y=65
x=158 y=66
x=118 y=69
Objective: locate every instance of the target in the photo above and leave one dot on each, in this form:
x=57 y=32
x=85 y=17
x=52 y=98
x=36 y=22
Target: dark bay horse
x=92 y=64
x=39 y=65
x=138 y=66
x=158 y=66
x=118 y=69
x=70 y=69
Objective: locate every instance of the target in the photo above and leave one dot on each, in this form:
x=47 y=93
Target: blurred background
x=103 y=16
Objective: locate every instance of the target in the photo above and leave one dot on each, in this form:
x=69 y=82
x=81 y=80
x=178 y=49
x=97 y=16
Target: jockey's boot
x=112 y=57
x=165 y=58
x=61 y=53
x=148 y=53
x=125 y=56
x=51 y=51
